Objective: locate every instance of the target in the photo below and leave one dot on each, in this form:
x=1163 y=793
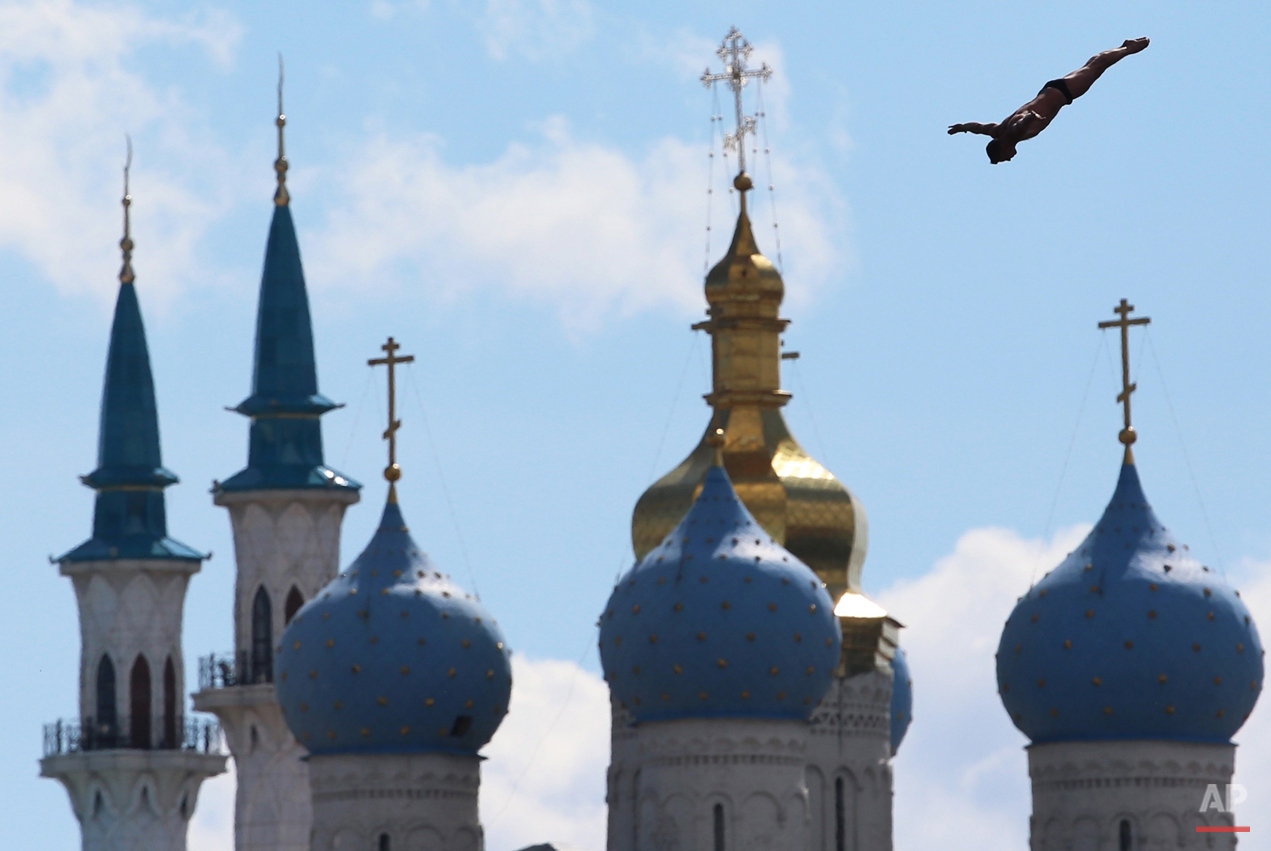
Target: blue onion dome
x=1130 y=638
x=902 y=699
x=393 y=657
x=719 y=621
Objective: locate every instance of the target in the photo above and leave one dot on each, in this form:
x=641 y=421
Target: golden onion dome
x=796 y=499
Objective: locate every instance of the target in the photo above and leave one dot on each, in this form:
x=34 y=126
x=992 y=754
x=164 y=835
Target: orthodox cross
x=392 y=472
x=125 y=272
x=1124 y=309
x=735 y=50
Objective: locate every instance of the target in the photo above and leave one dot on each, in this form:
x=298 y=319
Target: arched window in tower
x=262 y=638
x=294 y=601
x=719 y=827
x=139 y=704
x=106 y=724
x=840 y=816
x=384 y=843
x=169 y=704
x=1127 y=838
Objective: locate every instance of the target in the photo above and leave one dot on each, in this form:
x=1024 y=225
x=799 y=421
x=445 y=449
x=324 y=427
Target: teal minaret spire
x=130 y=520
x=285 y=446
x=286 y=508
x=131 y=741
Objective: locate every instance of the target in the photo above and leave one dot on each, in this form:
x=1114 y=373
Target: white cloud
x=961 y=775
x=536 y=29
x=573 y=222
x=212 y=825
x=544 y=780
x=67 y=96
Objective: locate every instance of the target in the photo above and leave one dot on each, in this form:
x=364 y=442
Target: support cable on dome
x=1187 y=461
x=772 y=190
x=1099 y=349
x=716 y=118
x=807 y=403
x=670 y=415
x=441 y=479
x=357 y=418
x=1072 y=441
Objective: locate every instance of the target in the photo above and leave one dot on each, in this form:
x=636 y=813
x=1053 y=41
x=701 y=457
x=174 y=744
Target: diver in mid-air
x=1036 y=115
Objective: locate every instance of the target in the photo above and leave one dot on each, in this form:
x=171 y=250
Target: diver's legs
x=1080 y=81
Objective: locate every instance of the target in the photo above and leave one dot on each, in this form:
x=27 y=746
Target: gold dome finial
x=125 y=272
x=281 y=198
x=1124 y=309
x=716 y=441
x=392 y=472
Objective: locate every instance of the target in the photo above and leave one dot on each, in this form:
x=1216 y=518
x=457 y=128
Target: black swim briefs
x=1060 y=86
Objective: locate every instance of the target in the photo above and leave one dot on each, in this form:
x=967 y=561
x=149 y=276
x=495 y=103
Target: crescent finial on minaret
x=281 y=198
x=125 y=272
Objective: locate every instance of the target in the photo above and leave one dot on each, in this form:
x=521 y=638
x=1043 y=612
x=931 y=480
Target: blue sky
x=516 y=190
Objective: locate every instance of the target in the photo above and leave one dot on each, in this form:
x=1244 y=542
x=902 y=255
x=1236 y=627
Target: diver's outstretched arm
x=973 y=127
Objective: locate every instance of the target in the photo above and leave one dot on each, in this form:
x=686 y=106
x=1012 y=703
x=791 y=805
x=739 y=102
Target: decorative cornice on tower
x=285 y=448
x=130 y=519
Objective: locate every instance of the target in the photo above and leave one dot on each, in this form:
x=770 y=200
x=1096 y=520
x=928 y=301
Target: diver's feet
x=1134 y=45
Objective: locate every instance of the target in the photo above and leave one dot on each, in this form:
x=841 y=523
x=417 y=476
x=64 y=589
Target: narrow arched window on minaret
x=294 y=602
x=169 y=705
x=107 y=713
x=719 y=827
x=262 y=637
x=139 y=704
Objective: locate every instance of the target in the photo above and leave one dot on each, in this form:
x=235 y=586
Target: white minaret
x=132 y=762
x=1130 y=667
x=286 y=508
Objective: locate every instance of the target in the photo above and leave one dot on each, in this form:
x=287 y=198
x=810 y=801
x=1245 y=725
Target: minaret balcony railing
x=199 y=735
x=239 y=668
